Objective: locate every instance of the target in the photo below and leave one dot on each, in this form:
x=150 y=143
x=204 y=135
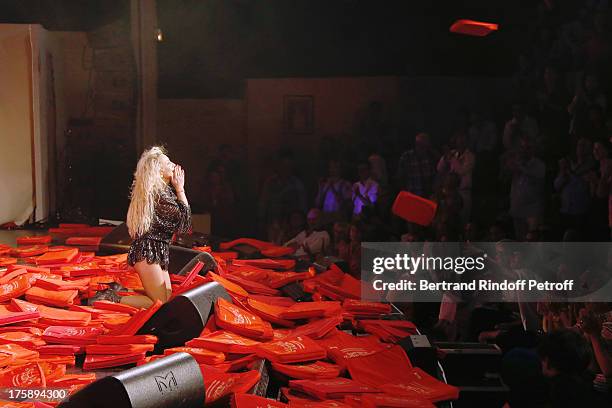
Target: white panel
x=16 y=201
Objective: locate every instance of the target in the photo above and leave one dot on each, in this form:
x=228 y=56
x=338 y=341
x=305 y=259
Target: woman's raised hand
x=178 y=178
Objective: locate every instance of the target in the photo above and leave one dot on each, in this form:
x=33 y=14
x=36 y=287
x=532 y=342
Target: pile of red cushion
x=311 y=346
x=43 y=326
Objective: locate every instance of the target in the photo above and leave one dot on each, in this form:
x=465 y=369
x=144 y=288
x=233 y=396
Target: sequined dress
x=171 y=215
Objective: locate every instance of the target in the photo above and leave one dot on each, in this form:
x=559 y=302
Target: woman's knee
x=155 y=282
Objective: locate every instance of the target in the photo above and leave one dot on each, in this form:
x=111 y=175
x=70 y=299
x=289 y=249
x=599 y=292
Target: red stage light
x=473 y=28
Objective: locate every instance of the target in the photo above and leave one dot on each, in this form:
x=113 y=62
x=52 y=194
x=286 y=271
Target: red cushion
x=269 y=312
x=34 y=240
x=235 y=319
x=255 y=243
x=93 y=362
x=316 y=329
x=117 y=349
x=392 y=401
x=57 y=257
x=252 y=286
x=277 y=264
x=52 y=315
x=59 y=349
x=6 y=260
x=333 y=388
x=124 y=339
x=138 y=319
x=291 y=350
x=7 y=317
x=254 y=401
x=473 y=28
x=12 y=274
x=383 y=367
x=429 y=387
x=115 y=307
x=69 y=335
x=25 y=339
x=60 y=298
x=224 y=341
x=14 y=288
x=29 y=375
x=84 y=241
x=26 y=251
x=318 y=369
x=201 y=355
x=414 y=208
x=219 y=384
x=307 y=310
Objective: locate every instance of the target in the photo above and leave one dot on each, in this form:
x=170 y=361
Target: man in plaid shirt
x=417 y=167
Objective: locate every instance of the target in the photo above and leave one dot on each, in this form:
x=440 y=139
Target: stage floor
x=9 y=237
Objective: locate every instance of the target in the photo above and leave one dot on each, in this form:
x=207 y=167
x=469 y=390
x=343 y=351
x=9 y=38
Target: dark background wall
x=211 y=46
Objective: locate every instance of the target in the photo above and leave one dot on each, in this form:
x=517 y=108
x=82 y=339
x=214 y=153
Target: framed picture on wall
x=298 y=114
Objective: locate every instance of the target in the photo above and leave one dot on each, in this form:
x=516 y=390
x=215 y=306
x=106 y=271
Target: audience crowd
x=544 y=173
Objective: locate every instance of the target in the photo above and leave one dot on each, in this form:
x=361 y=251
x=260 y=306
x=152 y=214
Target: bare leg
x=168 y=286
x=156 y=284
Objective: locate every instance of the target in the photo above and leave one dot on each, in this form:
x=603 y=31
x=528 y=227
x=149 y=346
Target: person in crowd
x=340 y=237
x=496 y=232
x=543 y=46
x=408 y=237
x=588 y=93
x=365 y=190
x=351 y=252
x=313 y=241
x=551 y=110
x=595 y=126
x=521 y=371
x=378 y=167
x=597 y=45
x=483 y=141
x=565 y=356
x=460 y=161
x=597 y=329
x=600 y=179
x=471 y=232
x=524 y=79
x=275 y=231
x=282 y=193
x=233 y=168
x=328 y=150
x=572 y=185
x=482 y=134
x=282 y=230
x=219 y=200
x=334 y=195
x=450 y=203
x=527 y=189
x=296 y=223
x=416 y=168
x=520 y=126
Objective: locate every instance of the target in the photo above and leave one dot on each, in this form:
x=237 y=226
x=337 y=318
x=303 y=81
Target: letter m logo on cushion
x=166 y=383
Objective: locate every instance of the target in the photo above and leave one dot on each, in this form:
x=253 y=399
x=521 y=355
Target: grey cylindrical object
x=207 y=259
x=171 y=382
x=185 y=316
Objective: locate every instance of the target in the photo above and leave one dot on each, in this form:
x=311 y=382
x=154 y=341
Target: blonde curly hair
x=147 y=185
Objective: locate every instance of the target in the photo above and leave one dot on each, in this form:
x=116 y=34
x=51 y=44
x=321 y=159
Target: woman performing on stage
x=158 y=209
